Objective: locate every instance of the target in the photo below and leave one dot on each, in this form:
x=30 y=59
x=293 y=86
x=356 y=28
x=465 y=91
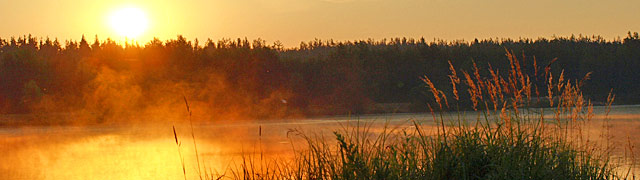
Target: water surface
x=149 y=151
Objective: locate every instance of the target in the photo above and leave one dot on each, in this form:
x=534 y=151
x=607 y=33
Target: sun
x=129 y=22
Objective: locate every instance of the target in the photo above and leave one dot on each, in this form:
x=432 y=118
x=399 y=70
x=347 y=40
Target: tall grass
x=510 y=139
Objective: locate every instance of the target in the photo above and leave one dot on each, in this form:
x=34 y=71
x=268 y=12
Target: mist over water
x=144 y=151
x=148 y=150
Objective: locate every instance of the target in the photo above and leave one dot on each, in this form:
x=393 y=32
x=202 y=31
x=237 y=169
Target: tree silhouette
x=318 y=77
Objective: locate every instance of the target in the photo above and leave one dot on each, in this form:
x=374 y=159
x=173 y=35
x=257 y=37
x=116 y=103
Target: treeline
x=253 y=79
x=388 y=71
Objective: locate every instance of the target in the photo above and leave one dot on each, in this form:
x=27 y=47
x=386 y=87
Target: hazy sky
x=292 y=21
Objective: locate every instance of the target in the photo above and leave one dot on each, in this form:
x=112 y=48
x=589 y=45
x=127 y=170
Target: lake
x=149 y=150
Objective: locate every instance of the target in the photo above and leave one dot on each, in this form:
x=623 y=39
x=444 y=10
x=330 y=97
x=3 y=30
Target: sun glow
x=129 y=22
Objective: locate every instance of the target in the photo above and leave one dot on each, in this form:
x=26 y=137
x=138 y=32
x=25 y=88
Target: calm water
x=149 y=151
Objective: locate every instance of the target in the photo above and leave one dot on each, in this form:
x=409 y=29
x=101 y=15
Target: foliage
x=316 y=78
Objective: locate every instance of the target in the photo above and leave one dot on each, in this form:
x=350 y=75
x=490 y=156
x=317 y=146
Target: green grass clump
x=473 y=153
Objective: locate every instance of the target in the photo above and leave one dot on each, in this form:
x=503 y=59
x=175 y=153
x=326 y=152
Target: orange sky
x=292 y=21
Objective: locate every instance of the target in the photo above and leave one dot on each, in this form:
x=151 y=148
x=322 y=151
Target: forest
x=250 y=79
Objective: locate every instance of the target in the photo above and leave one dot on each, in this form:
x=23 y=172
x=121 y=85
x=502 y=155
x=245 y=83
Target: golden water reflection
x=137 y=152
x=96 y=157
x=149 y=151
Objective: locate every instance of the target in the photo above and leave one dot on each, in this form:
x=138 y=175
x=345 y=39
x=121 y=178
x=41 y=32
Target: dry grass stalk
x=433 y=90
x=585 y=78
x=560 y=81
x=548 y=67
x=496 y=83
x=518 y=70
x=472 y=90
x=504 y=116
x=444 y=97
x=610 y=99
x=454 y=81
x=550 y=88
x=193 y=136
x=175 y=136
x=492 y=91
x=479 y=85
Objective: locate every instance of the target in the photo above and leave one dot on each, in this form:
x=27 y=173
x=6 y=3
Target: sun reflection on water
x=99 y=157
